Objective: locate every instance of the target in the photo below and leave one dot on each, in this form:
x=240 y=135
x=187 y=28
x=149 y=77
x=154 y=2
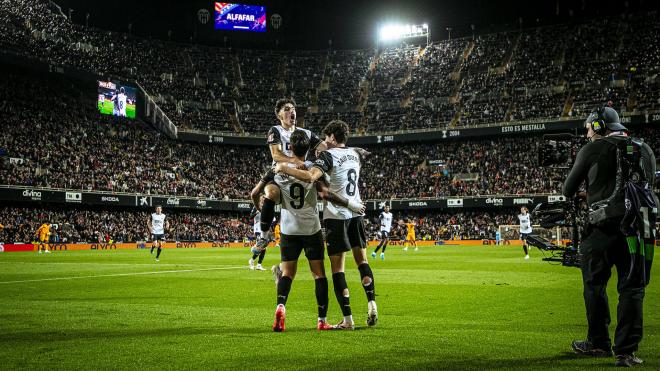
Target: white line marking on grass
x=125 y=274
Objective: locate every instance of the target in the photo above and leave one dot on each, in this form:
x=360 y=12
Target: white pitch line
x=125 y=274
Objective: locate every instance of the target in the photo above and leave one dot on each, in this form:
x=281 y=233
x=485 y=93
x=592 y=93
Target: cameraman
x=605 y=245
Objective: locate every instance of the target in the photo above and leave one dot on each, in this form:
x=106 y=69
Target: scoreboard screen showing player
x=117 y=100
x=240 y=17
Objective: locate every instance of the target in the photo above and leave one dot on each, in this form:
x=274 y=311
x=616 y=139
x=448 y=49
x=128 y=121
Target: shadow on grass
x=566 y=361
x=37 y=336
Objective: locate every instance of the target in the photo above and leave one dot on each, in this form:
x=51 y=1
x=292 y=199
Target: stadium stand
x=75 y=225
x=540 y=73
x=75 y=148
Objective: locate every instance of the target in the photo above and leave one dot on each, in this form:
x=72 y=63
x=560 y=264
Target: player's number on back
x=297 y=192
x=351 y=187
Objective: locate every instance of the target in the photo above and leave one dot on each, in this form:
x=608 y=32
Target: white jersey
x=256 y=227
x=121 y=101
x=525 y=223
x=299 y=215
x=279 y=135
x=386 y=222
x=342 y=172
x=158 y=223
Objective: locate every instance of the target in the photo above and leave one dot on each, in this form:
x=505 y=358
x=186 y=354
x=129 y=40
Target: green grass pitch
x=448 y=307
x=107 y=108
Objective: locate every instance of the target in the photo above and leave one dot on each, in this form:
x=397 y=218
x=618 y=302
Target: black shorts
x=292 y=245
x=342 y=235
x=384 y=235
x=158 y=237
x=523 y=236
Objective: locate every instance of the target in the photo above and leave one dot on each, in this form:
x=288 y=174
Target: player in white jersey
x=255 y=215
x=386 y=218
x=525 y=228
x=279 y=143
x=344 y=227
x=300 y=231
x=120 y=103
x=157 y=226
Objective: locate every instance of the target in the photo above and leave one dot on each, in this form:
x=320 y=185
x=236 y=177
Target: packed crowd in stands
x=82 y=225
x=467 y=225
x=67 y=144
x=345 y=70
x=529 y=74
x=74 y=225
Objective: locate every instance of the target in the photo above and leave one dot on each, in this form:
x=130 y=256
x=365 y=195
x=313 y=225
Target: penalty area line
x=124 y=274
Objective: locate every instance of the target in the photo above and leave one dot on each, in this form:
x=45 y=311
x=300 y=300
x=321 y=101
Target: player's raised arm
x=279 y=156
x=307 y=176
x=322 y=165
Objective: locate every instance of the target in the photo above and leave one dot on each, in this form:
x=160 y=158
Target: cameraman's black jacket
x=597 y=163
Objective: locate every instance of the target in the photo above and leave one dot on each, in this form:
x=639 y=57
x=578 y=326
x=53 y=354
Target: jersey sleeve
x=273 y=136
x=324 y=161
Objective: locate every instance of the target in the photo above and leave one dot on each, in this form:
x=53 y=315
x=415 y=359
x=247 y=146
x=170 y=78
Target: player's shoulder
x=327 y=155
x=275 y=129
x=274 y=134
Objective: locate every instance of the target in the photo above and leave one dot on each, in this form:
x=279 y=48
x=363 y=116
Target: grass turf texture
x=107 y=108
x=441 y=307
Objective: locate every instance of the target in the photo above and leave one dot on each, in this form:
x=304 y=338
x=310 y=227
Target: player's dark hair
x=157 y=206
x=339 y=129
x=281 y=102
x=299 y=143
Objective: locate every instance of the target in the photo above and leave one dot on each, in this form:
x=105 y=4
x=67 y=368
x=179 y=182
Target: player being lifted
x=385 y=229
x=279 y=144
x=301 y=231
x=410 y=235
x=525 y=228
x=344 y=227
x=43 y=235
x=157 y=226
x=255 y=214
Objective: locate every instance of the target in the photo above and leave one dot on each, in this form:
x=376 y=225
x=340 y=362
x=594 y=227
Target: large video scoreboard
x=240 y=17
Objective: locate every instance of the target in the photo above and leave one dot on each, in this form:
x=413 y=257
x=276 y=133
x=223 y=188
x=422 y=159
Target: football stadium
x=353 y=185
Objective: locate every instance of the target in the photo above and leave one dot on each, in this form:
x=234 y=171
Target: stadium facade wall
x=572 y=126
x=22 y=194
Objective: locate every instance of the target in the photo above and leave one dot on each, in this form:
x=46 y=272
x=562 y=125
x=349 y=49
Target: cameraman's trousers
x=604 y=247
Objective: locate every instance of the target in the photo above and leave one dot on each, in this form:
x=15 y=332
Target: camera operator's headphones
x=604 y=118
x=597 y=121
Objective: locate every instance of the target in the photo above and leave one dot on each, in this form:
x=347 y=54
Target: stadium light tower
x=391 y=32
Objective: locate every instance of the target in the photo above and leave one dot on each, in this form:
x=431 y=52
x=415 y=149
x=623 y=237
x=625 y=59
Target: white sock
x=322 y=319
x=348 y=319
